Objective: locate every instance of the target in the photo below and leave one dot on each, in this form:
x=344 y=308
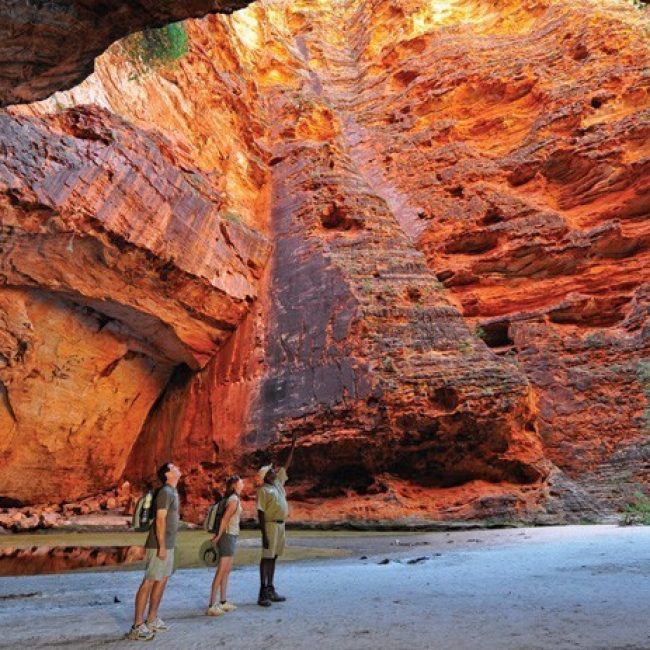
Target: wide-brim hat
x=208 y=553
x=263 y=471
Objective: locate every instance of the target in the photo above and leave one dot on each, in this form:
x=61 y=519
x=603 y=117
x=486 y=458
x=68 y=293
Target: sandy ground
x=569 y=587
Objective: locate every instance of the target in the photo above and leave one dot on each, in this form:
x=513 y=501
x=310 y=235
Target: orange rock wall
x=73 y=397
x=456 y=302
x=367 y=360
x=130 y=270
x=531 y=197
x=204 y=102
x=524 y=180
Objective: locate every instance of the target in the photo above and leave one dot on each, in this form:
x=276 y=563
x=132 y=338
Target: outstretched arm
x=287 y=464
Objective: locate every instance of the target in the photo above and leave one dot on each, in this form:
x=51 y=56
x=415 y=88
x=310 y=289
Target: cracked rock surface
x=413 y=233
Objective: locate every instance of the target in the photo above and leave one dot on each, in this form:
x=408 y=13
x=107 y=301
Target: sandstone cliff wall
x=50 y=46
x=454 y=315
x=531 y=196
x=118 y=265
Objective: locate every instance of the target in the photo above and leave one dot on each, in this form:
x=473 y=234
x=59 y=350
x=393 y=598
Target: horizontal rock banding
x=457 y=296
x=117 y=265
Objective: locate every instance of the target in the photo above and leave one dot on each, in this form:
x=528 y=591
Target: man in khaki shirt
x=272 y=512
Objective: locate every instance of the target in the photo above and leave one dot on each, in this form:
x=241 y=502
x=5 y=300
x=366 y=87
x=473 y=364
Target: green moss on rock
x=153 y=48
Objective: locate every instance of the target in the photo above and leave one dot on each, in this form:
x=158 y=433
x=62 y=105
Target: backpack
x=144 y=512
x=212 y=520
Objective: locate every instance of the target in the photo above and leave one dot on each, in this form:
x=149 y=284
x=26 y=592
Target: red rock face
x=117 y=265
x=102 y=208
x=367 y=358
x=525 y=201
x=52 y=46
x=66 y=387
x=454 y=316
x=531 y=201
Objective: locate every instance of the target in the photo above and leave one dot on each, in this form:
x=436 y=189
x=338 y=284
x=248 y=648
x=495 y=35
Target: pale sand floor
x=569 y=587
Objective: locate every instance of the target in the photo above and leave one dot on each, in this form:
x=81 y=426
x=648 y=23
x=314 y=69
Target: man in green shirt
x=159 y=556
x=272 y=512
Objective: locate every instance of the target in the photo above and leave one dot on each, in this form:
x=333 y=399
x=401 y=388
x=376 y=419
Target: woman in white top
x=226 y=542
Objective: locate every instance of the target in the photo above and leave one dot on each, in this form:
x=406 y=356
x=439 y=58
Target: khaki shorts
x=155 y=568
x=275 y=533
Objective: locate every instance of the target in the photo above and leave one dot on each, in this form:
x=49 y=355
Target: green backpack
x=212 y=520
x=144 y=513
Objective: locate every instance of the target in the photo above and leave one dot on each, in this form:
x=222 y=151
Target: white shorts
x=157 y=569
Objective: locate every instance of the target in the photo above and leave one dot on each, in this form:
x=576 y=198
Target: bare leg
x=215 y=585
x=156 y=597
x=227 y=566
x=264 y=572
x=218 y=579
x=272 y=571
x=141 y=600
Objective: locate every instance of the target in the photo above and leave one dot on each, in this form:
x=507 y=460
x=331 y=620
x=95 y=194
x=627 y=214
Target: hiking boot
x=274 y=596
x=228 y=607
x=264 y=599
x=215 y=610
x=157 y=625
x=140 y=633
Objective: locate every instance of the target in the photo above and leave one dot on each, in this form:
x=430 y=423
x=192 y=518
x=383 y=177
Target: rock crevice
x=367 y=223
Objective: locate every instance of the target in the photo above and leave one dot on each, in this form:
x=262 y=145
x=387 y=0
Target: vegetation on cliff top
x=153 y=48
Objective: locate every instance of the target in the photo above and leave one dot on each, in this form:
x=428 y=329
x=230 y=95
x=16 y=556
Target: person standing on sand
x=272 y=512
x=226 y=542
x=159 y=556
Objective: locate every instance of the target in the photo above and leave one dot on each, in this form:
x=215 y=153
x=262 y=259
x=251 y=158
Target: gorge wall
x=50 y=46
x=414 y=233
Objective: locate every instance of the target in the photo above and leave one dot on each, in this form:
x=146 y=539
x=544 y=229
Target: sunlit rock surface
x=93 y=206
x=454 y=318
x=530 y=200
x=117 y=264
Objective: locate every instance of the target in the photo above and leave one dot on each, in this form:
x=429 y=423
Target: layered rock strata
x=457 y=298
x=531 y=198
x=117 y=266
x=356 y=348
x=528 y=204
x=367 y=359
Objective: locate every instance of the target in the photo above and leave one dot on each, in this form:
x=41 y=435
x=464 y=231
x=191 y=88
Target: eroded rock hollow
x=414 y=233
